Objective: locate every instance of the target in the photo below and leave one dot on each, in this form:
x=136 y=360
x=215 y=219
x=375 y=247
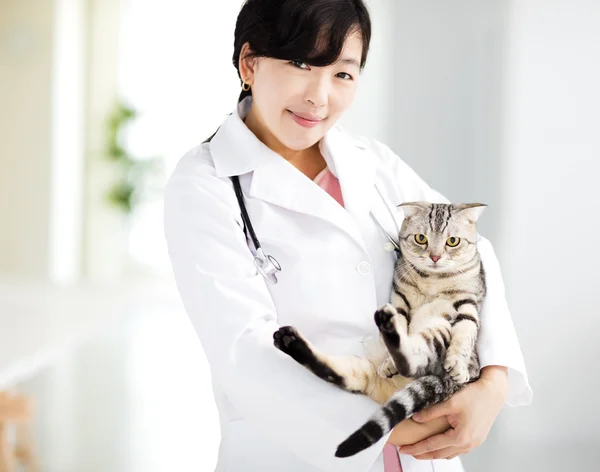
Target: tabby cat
x=425 y=350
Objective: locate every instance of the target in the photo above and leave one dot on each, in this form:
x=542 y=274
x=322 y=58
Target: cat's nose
x=435 y=258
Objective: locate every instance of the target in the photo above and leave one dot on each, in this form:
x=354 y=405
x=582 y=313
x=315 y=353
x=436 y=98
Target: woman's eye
x=299 y=64
x=453 y=242
x=347 y=76
x=421 y=239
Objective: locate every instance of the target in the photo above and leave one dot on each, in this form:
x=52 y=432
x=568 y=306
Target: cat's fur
x=428 y=331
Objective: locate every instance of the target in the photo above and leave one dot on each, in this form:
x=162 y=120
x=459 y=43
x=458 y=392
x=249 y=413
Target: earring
x=245 y=86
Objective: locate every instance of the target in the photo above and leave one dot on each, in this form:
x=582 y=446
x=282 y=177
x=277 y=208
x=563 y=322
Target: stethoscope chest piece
x=267 y=266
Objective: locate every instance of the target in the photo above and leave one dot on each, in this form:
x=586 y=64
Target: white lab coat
x=274 y=414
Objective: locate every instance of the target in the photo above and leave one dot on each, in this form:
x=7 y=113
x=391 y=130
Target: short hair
x=311 y=31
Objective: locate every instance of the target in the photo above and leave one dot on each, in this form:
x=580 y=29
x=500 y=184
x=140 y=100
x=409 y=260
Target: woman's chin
x=300 y=143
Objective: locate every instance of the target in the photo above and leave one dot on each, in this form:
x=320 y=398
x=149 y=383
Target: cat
x=426 y=347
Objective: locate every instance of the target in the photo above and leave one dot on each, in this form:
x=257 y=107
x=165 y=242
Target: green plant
x=136 y=174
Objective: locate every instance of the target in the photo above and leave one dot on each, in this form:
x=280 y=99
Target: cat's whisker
x=409 y=271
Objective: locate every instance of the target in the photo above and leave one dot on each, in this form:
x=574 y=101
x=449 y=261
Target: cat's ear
x=469 y=211
x=412 y=208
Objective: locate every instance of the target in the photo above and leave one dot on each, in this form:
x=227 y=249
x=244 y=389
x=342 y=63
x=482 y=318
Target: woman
x=309 y=188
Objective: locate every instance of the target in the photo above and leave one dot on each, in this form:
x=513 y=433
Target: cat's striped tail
x=423 y=392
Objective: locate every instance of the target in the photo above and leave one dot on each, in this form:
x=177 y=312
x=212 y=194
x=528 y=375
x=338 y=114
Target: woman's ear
x=247 y=64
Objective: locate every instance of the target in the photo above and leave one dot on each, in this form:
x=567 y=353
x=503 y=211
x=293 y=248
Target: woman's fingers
x=445 y=453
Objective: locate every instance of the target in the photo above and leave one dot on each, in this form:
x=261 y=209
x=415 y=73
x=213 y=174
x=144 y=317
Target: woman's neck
x=309 y=161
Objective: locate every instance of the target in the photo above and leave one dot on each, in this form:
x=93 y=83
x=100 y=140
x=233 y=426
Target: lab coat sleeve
x=234 y=316
x=498 y=343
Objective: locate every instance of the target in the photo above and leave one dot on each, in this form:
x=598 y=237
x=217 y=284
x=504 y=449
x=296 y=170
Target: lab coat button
x=364 y=268
x=389 y=247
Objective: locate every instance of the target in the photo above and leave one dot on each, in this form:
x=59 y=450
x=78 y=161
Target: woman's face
x=298 y=103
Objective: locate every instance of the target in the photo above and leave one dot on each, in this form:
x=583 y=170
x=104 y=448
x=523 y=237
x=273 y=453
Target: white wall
x=371 y=112
x=448 y=93
x=433 y=91
x=551 y=230
x=67 y=153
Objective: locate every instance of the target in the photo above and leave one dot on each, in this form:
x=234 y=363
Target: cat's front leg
x=406 y=356
x=387 y=369
x=352 y=373
x=465 y=328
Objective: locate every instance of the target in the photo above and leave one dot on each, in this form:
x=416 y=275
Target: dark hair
x=311 y=31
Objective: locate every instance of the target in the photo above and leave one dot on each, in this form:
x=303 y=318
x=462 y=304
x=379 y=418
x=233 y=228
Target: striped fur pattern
x=426 y=350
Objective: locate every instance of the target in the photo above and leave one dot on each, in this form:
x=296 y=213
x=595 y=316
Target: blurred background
x=494 y=101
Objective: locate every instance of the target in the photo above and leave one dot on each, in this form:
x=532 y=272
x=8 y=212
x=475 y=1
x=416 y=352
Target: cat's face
x=438 y=236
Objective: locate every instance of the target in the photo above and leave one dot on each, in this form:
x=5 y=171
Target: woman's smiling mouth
x=308 y=120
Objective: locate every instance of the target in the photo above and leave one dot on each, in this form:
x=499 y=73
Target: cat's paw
x=287 y=339
x=387 y=369
x=457 y=367
x=384 y=319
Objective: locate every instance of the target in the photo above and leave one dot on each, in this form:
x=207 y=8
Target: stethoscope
x=267 y=265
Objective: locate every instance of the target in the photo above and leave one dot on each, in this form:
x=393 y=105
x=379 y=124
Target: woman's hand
x=471 y=412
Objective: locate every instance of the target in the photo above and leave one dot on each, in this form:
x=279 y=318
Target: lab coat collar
x=236 y=151
x=234 y=148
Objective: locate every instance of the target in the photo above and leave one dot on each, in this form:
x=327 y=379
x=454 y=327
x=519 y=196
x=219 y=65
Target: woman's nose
x=318 y=93
x=317 y=102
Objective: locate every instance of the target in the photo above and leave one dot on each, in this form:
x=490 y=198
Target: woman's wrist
x=495 y=377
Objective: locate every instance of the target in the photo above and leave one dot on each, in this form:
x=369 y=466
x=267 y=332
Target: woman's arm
x=410 y=432
x=497 y=377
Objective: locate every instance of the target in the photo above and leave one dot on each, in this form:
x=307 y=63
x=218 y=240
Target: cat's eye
x=453 y=241
x=421 y=239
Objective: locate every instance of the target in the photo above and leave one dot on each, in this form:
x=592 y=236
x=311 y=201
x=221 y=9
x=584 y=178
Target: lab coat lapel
x=280 y=183
x=354 y=167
